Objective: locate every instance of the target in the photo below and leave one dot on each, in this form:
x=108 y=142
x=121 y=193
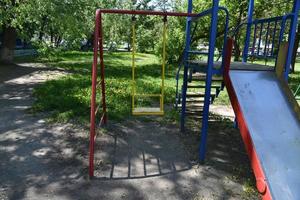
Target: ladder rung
x=203 y=78
x=198 y=95
x=196 y=108
x=203 y=86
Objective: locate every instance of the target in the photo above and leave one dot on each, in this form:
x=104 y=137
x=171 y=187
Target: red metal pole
x=145 y=12
x=257 y=169
x=102 y=71
x=98 y=45
x=228 y=54
x=93 y=98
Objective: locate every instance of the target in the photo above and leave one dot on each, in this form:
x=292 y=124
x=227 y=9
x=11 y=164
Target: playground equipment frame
x=98 y=46
x=292 y=33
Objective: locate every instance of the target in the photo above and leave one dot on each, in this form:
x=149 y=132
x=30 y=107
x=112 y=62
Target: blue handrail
x=192 y=19
x=258 y=29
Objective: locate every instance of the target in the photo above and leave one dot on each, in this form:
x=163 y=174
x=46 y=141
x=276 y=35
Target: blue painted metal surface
x=273 y=40
x=202 y=14
x=185 y=73
x=181 y=98
x=259 y=39
x=292 y=35
x=254 y=39
x=248 y=32
x=258 y=34
x=267 y=40
x=210 y=62
x=213 y=31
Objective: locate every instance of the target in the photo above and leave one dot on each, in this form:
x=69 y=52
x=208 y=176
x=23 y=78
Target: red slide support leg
x=261 y=183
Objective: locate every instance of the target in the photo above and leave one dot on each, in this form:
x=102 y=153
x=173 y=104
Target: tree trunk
x=42 y=30
x=57 y=41
x=236 y=44
x=237 y=51
x=8 y=44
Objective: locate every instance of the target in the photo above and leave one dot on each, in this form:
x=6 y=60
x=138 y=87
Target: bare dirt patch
x=139 y=158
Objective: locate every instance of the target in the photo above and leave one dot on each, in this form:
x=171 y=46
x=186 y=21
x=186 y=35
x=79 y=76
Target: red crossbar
x=145 y=12
x=98 y=46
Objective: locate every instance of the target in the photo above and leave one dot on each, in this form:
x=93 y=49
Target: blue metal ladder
x=206 y=72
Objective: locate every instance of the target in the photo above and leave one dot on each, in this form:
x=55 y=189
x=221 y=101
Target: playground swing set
x=148 y=110
x=267 y=114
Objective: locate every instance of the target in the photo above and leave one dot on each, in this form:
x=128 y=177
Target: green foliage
x=72 y=21
x=60 y=20
x=47 y=52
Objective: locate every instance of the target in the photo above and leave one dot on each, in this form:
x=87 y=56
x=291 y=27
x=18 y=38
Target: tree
x=8 y=14
x=57 y=19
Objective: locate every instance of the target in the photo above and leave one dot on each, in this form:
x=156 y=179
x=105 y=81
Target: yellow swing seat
x=139 y=111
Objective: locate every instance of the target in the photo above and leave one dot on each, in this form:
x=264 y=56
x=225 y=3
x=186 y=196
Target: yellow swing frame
x=148 y=110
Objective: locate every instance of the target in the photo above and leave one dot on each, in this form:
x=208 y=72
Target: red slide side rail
x=98 y=48
x=261 y=183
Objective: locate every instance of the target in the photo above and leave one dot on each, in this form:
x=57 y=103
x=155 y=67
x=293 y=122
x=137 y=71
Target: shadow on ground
x=135 y=159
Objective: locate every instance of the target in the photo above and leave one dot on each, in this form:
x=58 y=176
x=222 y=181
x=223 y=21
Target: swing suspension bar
x=147 y=110
x=145 y=12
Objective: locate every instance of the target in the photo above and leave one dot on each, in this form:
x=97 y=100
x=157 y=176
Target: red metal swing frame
x=98 y=47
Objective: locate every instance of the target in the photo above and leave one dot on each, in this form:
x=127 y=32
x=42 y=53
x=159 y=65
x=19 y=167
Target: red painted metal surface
x=93 y=97
x=145 y=12
x=102 y=70
x=261 y=183
x=98 y=46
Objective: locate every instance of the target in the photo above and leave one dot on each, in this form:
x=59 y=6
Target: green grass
x=69 y=97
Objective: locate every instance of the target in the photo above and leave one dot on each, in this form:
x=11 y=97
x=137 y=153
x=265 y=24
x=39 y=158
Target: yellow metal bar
x=147 y=113
x=141 y=110
x=148 y=95
x=163 y=65
x=133 y=64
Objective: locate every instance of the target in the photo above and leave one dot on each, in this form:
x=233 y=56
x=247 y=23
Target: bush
x=47 y=52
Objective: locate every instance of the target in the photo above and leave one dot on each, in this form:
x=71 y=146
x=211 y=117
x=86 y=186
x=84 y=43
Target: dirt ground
x=139 y=158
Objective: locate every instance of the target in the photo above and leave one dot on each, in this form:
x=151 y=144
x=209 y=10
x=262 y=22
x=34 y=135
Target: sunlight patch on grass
x=69 y=97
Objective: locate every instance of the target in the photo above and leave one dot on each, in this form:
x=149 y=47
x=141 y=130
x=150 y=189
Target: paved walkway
x=135 y=159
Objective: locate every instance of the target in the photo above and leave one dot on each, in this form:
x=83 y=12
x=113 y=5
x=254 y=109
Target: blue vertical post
x=273 y=40
x=266 y=50
x=292 y=36
x=248 y=32
x=209 y=74
x=185 y=57
x=254 y=40
x=260 y=35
